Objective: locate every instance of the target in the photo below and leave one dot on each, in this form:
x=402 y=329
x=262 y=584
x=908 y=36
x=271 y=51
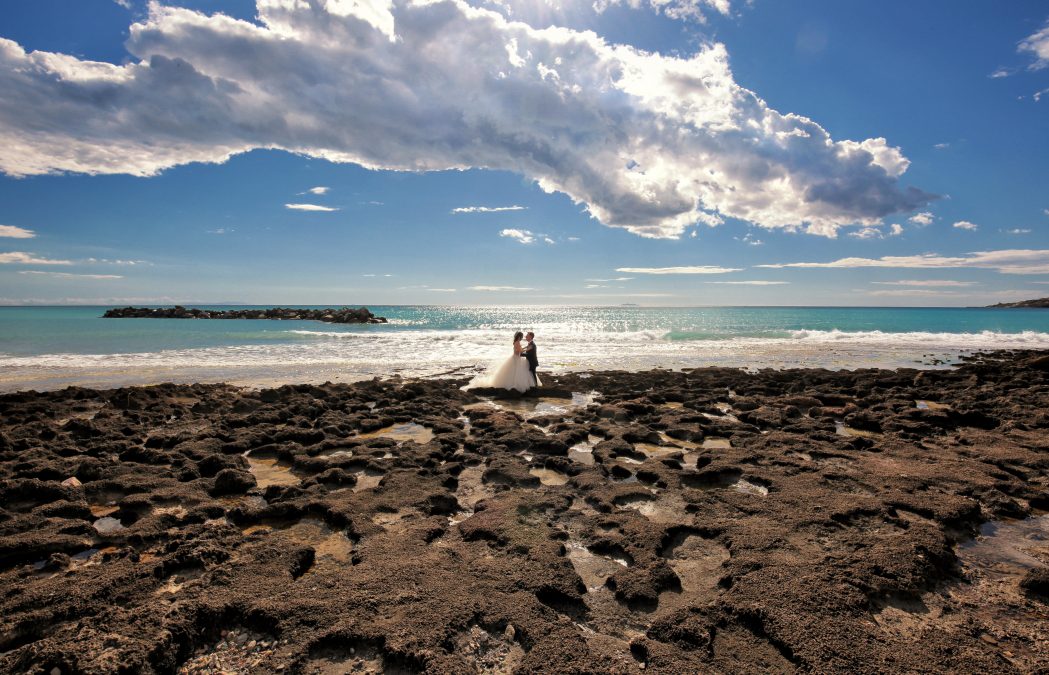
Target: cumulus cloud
x=695 y=269
x=911 y=293
x=523 y=236
x=497 y=289
x=646 y=142
x=1010 y=261
x=15 y=232
x=1037 y=45
x=309 y=207
x=750 y=283
x=922 y=219
x=487 y=209
x=319 y=190
x=943 y=146
x=941 y=283
x=68 y=275
x=117 y=261
x=684 y=10
x=23 y=258
x=965 y=225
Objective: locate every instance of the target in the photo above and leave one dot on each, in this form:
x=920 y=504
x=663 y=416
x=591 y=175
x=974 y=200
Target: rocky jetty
x=709 y=520
x=332 y=315
x=1040 y=303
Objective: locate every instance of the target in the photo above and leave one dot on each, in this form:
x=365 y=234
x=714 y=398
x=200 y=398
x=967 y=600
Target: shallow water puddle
x=367 y=479
x=329 y=545
x=697 y=563
x=401 y=433
x=746 y=487
x=536 y=407
x=592 y=568
x=271 y=471
x=472 y=488
x=108 y=525
x=582 y=453
x=842 y=430
x=657 y=451
x=549 y=476
x=931 y=405
x=667 y=508
x=715 y=443
x=1008 y=548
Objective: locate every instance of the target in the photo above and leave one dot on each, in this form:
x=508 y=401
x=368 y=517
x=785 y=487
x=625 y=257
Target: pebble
x=56 y=670
x=251 y=645
x=72 y=481
x=510 y=633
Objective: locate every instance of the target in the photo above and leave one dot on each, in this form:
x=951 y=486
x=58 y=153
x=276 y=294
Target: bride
x=512 y=373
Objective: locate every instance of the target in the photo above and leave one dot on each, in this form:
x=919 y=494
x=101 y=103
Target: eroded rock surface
x=705 y=521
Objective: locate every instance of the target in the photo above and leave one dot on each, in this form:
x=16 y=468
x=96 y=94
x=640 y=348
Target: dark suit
x=533 y=360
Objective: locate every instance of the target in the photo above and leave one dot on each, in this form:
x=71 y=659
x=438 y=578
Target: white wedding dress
x=512 y=373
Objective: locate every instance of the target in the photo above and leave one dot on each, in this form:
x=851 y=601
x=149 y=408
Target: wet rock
x=233 y=482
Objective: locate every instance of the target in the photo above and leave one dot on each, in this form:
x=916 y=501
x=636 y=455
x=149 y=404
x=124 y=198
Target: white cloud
x=498 y=289
x=22 y=258
x=126 y=4
x=1001 y=72
x=895 y=230
x=309 y=207
x=117 y=261
x=548 y=240
x=682 y=10
x=922 y=219
x=696 y=269
x=442 y=290
x=965 y=225
x=941 y=146
x=319 y=190
x=573 y=238
x=1045 y=211
x=867 y=233
x=1018 y=230
x=487 y=209
x=938 y=283
x=523 y=236
x=220 y=230
x=67 y=275
x=15 y=232
x=750 y=283
x=1010 y=261
x=647 y=142
x=911 y=293
x=1038 y=46
x=616 y=279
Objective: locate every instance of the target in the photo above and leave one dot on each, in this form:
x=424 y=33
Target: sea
x=53 y=347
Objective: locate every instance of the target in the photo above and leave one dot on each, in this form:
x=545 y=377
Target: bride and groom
x=517 y=372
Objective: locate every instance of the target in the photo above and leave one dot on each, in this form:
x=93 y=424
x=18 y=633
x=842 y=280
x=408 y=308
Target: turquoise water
x=53 y=346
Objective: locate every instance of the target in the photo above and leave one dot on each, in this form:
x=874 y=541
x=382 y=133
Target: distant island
x=336 y=315
x=1041 y=303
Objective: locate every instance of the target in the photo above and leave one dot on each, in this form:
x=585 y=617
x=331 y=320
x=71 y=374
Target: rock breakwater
x=332 y=315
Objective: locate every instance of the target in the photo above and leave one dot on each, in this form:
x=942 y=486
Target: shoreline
x=620 y=521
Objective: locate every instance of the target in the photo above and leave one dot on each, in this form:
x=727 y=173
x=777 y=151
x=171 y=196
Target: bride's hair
x=518 y=335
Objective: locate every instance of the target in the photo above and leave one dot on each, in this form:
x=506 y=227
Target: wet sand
x=713 y=520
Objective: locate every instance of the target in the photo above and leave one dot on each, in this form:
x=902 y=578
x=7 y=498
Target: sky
x=515 y=152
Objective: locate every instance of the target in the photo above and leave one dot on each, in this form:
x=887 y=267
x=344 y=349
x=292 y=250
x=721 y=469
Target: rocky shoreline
x=327 y=315
x=712 y=520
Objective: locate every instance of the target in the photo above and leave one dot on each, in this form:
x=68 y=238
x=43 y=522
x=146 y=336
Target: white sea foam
x=312 y=354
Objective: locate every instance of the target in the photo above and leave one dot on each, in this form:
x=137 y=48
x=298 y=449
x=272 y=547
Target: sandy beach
x=712 y=520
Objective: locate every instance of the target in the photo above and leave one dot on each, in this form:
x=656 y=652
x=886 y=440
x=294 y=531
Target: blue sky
x=696 y=152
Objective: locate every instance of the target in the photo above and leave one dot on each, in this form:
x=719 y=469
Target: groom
x=529 y=353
